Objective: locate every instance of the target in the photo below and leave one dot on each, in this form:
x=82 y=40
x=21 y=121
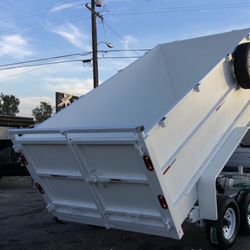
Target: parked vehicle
x=158 y=144
x=10 y=161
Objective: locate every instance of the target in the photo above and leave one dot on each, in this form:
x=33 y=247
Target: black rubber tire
x=241 y=59
x=214 y=229
x=58 y=221
x=244 y=202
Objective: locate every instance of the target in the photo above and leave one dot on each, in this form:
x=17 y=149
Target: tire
x=241 y=59
x=223 y=232
x=58 y=221
x=244 y=205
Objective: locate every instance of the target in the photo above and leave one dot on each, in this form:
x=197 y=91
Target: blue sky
x=31 y=29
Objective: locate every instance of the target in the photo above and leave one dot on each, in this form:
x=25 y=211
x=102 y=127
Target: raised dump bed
x=145 y=150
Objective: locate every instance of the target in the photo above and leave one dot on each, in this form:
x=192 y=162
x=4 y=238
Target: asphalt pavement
x=25 y=224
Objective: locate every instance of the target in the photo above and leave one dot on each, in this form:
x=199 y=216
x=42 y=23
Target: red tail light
x=162 y=201
x=148 y=163
x=39 y=188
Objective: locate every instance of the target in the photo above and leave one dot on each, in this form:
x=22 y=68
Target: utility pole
x=94 y=14
x=94 y=45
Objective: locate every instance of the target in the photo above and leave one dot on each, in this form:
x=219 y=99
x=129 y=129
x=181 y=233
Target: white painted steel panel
x=128 y=198
x=67 y=191
x=206 y=184
x=53 y=159
x=145 y=91
x=195 y=128
x=99 y=183
x=108 y=165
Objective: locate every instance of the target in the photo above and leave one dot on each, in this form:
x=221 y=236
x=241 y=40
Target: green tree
x=42 y=112
x=9 y=105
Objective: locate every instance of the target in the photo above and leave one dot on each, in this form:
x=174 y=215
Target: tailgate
x=97 y=176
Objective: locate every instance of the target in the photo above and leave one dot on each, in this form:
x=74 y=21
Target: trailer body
x=143 y=149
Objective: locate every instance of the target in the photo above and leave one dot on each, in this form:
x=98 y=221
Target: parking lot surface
x=25 y=224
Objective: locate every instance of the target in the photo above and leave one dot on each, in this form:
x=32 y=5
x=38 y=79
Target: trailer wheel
x=241 y=64
x=223 y=232
x=244 y=205
x=58 y=221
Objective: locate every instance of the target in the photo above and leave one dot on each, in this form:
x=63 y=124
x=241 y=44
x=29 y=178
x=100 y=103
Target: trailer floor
x=26 y=224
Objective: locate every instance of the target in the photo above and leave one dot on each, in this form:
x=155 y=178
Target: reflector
x=148 y=163
x=24 y=162
x=163 y=201
x=39 y=188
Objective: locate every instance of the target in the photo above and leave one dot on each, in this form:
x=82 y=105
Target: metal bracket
x=167 y=222
x=17 y=148
x=162 y=122
x=229 y=57
x=197 y=87
x=95 y=179
x=50 y=208
x=139 y=144
x=139 y=147
x=194 y=215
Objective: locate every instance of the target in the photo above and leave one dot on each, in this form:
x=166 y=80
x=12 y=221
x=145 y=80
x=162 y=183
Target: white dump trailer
x=154 y=146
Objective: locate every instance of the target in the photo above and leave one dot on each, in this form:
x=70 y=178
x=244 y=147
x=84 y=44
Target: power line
x=123 y=50
x=23 y=16
x=19 y=73
x=35 y=67
x=45 y=59
x=34 y=13
x=50 y=60
x=179 y=9
x=40 y=64
x=224 y=5
x=119 y=57
x=66 y=61
x=121 y=38
x=133 y=2
x=25 y=30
